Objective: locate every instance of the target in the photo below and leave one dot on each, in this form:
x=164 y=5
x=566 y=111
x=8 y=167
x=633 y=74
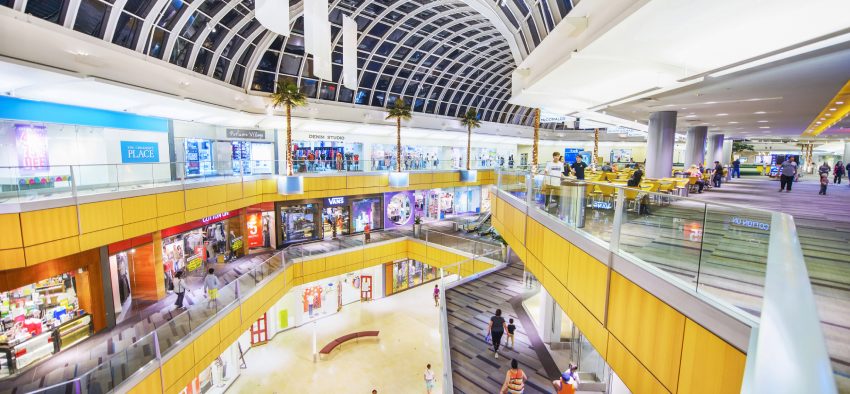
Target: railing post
x=614 y=244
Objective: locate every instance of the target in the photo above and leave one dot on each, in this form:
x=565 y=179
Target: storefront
x=412 y=157
x=326 y=153
x=312 y=220
x=217 y=377
x=336 y=217
x=368 y=210
x=299 y=222
x=132 y=271
x=209 y=150
x=444 y=203
x=399 y=209
x=188 y=247
x=406 y=274
x=260 y=227
x=40 y=319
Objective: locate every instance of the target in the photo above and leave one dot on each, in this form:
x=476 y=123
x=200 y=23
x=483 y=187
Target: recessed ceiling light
x=733 y=122
x=818 y=122
x=764 y=127
x=827 y=114
x=822 y=118
x=832 y=109
x=722 y=114
x=759 y=112
x=839 y=102
x=690 y=116
x=762 y=121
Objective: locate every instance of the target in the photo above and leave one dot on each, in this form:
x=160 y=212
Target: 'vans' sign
x=334 y=201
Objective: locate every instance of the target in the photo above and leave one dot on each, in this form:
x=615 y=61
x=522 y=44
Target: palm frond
x=288 y=93
x=470 y=119
x=399 y=110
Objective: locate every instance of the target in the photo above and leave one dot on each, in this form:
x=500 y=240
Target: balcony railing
x=747 y=261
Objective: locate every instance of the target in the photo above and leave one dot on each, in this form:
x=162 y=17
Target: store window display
x=336 y=221
x=400 y=209
x=298 y=223
x=413 y=157
x=119 y=268
x=220 y=374
x=367 y=211
x=40 y=319
x=261 y=227
x=215 y=239
x=406 y=274
x=317 y=156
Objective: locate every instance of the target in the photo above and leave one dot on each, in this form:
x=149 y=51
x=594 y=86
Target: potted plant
x=470 y=121
x=417 y=227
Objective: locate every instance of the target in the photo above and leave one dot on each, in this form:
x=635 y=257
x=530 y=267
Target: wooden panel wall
x=651 y=346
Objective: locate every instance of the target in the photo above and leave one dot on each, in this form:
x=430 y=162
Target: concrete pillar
x=550 y=314
x=695 y=146
x=846 y=157
x=660 y=140
x=715 y=150
x=727 y=152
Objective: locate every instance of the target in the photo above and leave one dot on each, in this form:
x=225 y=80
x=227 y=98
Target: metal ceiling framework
x=441 y=56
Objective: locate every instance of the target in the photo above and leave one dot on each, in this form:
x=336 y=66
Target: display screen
x=31 y=143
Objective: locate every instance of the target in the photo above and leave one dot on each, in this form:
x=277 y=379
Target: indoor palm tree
x=470 y=120
x=400 y=111
x=287 y=95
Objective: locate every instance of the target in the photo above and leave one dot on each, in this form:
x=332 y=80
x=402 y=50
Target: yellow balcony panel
x=216 y=194
x=12 y=258
x=46 y=225
x=100 y=215
x=196 y=198
x=139 y=228
x=176 y=219
x=170 y=203
x=234 y=191
x=136 y=209
x=100 y=238
x=50 y=250
x=11 y=225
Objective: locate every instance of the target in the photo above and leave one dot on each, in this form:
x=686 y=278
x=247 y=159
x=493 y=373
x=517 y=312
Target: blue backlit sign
x=139 y=152
x=334 y=201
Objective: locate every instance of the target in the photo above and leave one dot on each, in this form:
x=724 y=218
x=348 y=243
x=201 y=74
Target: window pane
x=127 y=31
x=328 y=91
x=309 y=87
x=91 y=19
x=290 y=64
x=362 y=97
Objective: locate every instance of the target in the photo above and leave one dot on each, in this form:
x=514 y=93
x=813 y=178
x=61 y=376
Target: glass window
x=194 y=26
x=367 y=44
x=139 y=8
x=374 y=66
x=202 y=63
x=385 y=49
x=221 y=68
x=238 y=75
x=362 y=97
x=290 y=64
x=263 y=82
x=180 y=53
x=398 y=86
x=91 y=18
x=268 y=62
x=328 y=91
x=367 y=79
x=127 y=31
x=396 y=35
x=345 y=95
x=49 y=10
x=378 y=99
x=231 y=18
x=295 y=45
x=379 y=30
x=383 y=82
x=309 y=87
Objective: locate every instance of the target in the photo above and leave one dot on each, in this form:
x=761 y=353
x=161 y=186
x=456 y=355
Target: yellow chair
x=610 y=176
x=631 y=196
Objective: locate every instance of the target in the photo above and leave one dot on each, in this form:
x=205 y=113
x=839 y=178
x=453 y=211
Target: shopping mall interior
x=424 y=196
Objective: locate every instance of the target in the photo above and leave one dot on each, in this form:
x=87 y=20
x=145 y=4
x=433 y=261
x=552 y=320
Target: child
x=511 y=329
x=824 y=180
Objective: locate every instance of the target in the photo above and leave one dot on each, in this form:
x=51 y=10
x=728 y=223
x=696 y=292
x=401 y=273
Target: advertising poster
x=255 y=229
x=31 y=143
x=193 y=164
x=366 y=211
x=399 y=209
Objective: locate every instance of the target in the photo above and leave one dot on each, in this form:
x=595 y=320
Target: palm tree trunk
x=398 y=143
x=534 y=150
x=288 y=139
x=468 y=145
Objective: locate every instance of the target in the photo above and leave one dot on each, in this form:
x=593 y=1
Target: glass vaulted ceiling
x=439 y=56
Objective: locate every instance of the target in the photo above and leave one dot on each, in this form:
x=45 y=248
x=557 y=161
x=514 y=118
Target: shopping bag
x=488 y=338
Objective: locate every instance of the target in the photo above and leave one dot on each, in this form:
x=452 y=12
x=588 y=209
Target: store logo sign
x=334 y=201
x=139 y=152
x=744 y=222
x=246 y=134
x=326 y=137
x=215 y=217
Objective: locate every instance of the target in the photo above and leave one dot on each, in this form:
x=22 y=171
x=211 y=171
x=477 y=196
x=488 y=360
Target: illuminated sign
x=602 y=205
x=334 y=201
x=139 y=152
x=255 y=229
x=326 y=137
x=216 y=217
x=31 y=143
x=246 y=134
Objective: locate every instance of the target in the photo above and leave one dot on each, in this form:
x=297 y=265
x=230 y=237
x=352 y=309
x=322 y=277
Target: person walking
x=568 y=382
x=787 y=172
x=824 y=168
x=211 y=286
x=824 y=181
x=847 y=168
x=179 y=289
x=430 y=379
x=838 y=173
x=552 y=182
x=578 y=168
x=736 y=168
x=367 y=233
x=510 y=338
x=514 y=380
x=436 y=295
x=497 y=328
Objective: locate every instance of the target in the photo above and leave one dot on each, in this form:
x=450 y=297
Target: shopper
x=514 y=380
x=497 y=328
x=568 y=382
x=787 y=172
x=367 y=233
x=637 y=176
x=436 y=295
x=510 y=338
x=552 y=183
x=824 y=168
x=736 y=168
x=430 y=379
x=211 y=286
x=179 y=289
x=847 y=168
x=578 y=168
x=824 y=181
x=718 y=174
x=838 y=173
x=607 y=167
x=693 y=172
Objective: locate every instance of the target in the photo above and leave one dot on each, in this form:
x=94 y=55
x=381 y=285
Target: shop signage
x=198 y=223
x=602 y=205
x=326 y=137
x=216 y=217
x=236 y=244
x=255 y=229
x=139 y=152
x=334 y=201
x=744 y=222
x=31 y=143
x=246 y=134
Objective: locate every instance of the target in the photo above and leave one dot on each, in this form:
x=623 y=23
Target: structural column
x=846 y=157
x=659 y=149
x=695 y=146
x=550 y=326
x=715 y=149
x=727 y=152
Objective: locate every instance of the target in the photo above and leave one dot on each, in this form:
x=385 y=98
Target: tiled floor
x=394 y=363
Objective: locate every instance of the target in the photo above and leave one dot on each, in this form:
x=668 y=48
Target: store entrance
x=335 y=221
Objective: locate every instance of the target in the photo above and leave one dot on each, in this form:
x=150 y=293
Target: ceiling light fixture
x=762 y=121
x=760 y=113
x=733 y=122
x=764 y=127
x=722 y=114
x=832 y=109
x=839 y=102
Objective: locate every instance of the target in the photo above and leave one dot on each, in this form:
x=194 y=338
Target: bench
x=355 y=335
